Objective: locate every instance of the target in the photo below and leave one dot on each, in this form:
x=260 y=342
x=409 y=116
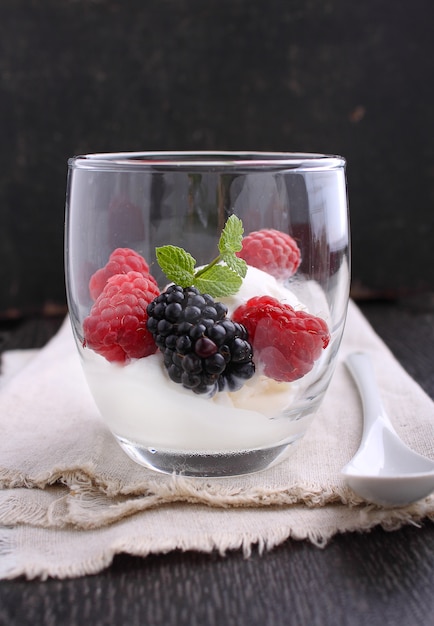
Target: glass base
x=206 y=465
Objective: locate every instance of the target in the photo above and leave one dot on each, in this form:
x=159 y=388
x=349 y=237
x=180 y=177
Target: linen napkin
x=71 y=499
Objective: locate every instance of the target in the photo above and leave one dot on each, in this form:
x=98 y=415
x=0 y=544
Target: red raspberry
x=285 y=342
x=116 y=326
x=271 y=251
x=121 y=261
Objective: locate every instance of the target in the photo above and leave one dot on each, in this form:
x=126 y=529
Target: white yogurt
x=140 y=403
x=259 y=283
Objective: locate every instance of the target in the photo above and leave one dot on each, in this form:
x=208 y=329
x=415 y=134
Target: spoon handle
x=361 y=369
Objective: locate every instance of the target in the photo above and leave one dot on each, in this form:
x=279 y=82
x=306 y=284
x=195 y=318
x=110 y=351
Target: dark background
x=334 y=76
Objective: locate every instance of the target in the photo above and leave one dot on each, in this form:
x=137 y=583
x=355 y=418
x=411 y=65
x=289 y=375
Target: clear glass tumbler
x=207 y=293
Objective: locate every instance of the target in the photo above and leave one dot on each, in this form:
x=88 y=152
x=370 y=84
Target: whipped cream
x=141 y=404
x=259 y=283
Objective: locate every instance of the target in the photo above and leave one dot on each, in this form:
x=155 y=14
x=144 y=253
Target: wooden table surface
x=376 y=578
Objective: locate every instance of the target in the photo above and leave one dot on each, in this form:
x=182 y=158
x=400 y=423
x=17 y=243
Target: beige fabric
x=70 y=499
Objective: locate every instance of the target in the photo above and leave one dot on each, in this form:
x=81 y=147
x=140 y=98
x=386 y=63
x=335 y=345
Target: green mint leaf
x=218 y=281
x=217 y=278
x=231 y=237
x=236 y=264
x=177 y=264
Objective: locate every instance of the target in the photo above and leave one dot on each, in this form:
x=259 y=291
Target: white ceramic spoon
x=384 y=470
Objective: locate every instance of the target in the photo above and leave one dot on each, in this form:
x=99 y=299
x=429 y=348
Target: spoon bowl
x=384 y=469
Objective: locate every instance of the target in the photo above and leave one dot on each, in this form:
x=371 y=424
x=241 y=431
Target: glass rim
x=206 y=160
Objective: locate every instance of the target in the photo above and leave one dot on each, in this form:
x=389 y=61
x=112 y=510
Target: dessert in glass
x=207 y=293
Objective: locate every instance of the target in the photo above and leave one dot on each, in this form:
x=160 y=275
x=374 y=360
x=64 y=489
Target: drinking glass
x=207 y=293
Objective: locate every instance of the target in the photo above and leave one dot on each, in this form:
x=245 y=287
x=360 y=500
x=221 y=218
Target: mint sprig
x=177 y=264
x=222 y=277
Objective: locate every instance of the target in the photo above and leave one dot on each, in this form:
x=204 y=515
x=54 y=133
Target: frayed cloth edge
x=223 y=545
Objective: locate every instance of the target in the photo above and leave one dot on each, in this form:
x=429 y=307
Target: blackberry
x=202 y=348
